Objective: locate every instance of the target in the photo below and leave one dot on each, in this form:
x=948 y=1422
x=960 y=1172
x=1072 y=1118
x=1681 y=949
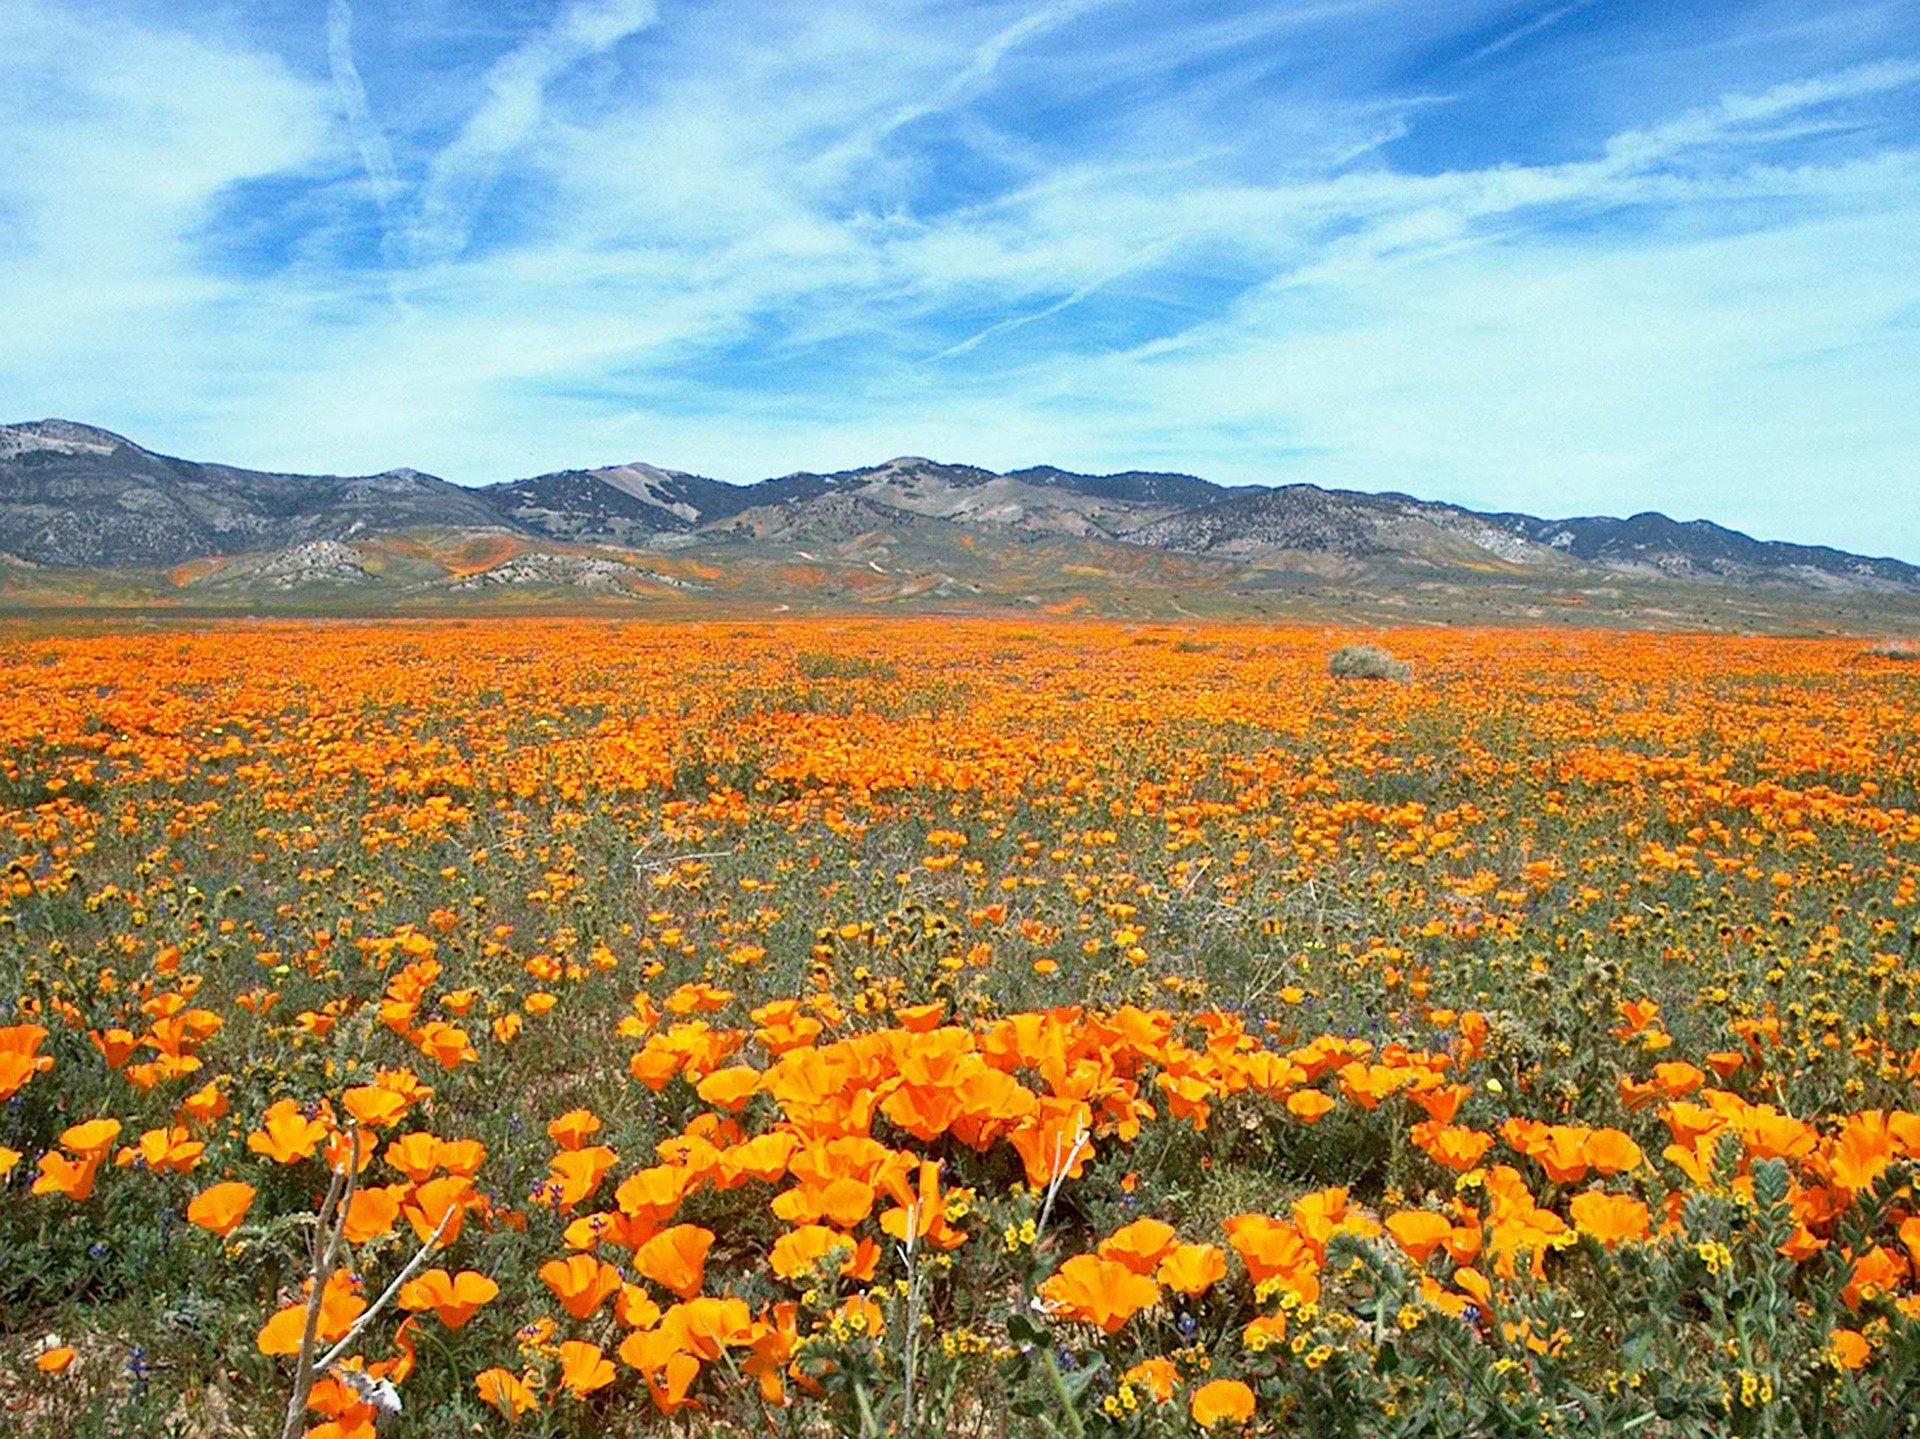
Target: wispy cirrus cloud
x=1601 y=266
x=510 y=111
x=376 y=155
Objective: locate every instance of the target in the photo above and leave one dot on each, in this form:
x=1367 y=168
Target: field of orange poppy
x=576 y=1027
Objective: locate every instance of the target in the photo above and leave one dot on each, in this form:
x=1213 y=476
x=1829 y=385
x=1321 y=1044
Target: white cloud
x=515 y=87
x=122 y=143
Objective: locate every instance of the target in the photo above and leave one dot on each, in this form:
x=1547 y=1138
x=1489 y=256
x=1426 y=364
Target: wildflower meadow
x=568 y=1027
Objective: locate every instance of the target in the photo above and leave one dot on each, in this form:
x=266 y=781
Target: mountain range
x=75 y=500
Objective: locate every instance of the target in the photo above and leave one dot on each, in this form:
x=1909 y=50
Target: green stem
x=1067 y=1406
x=868 y=1424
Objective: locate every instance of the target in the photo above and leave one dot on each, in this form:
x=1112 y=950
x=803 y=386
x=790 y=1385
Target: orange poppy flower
x=1849 y=1349
x=1441 y=1102
x=709 y=1325
x=72 y=1178
x=584 y=1368
x=653 y=1195
x=1610 y=1218
x=1610 y=1151
x=462 y=1157
x=446 y=1045
x=1451 y=1145
x=434 y=1201
x=1276 y=1253
x=924 y=1212
x=415 y=1155
x=1140 y=1245
x=796 y=1254
x=204 y=1105
x=1694 y=1160
x=1419 y=1232
x=373 y=1211
x=669 y=1370
x=1324 y=1213
x=1368 y=1084
x=775 y=1338
x=348 y=1416
x=1263 y=1331
x=116 y=1046
x=574 y=1174
x=454 y=1299
x=1769 y=1134
x=1223 y=1401
x=1100 y=1292
x=165 y=1151
x=506 y=1392
x=221 y=1209
x=373 y=1106
x=1877 y=1272
x=1055 y=1140
x=763 y=1158
x=676 y=1258
x=1639 y=1014
x=1676 y=1079
x=635 y=1308
x=1909 y=1233
x=1193 y=1269
x=92 y=1139
x=286 y=1135
x=730 y=1089
x=844 y=1201
x=340 y=1305
x=1159 y=1377
x=573 y=1129
x=20 y=1059
x=1561 y=1150
x=581 y=1283
x=1859 y=1156
x=56 y=1361
x=1309 y=1106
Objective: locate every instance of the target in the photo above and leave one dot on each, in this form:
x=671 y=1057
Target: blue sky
x=1564 y=256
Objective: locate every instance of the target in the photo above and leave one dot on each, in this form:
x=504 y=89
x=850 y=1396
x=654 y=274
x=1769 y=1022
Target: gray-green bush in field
x=1367 y=662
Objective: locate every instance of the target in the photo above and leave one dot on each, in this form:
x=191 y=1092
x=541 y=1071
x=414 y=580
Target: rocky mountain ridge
x=73 y=496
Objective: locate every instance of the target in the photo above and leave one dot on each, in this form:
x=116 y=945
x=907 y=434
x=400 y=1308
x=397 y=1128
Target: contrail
x=463 y=174
x=1015 y=322
x=376 y=156
x=975 y=75
x=1532 y=27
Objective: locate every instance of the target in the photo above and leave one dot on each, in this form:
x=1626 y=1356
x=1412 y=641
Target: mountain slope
x=76 y=496
x=1298 y=522
x=624 y=504
x=1700 y=549
x=1140 y=487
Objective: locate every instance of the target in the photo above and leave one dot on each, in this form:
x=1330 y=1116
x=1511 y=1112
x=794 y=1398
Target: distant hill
x=1265 y=524
x=75 y=496
x=78 y=501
